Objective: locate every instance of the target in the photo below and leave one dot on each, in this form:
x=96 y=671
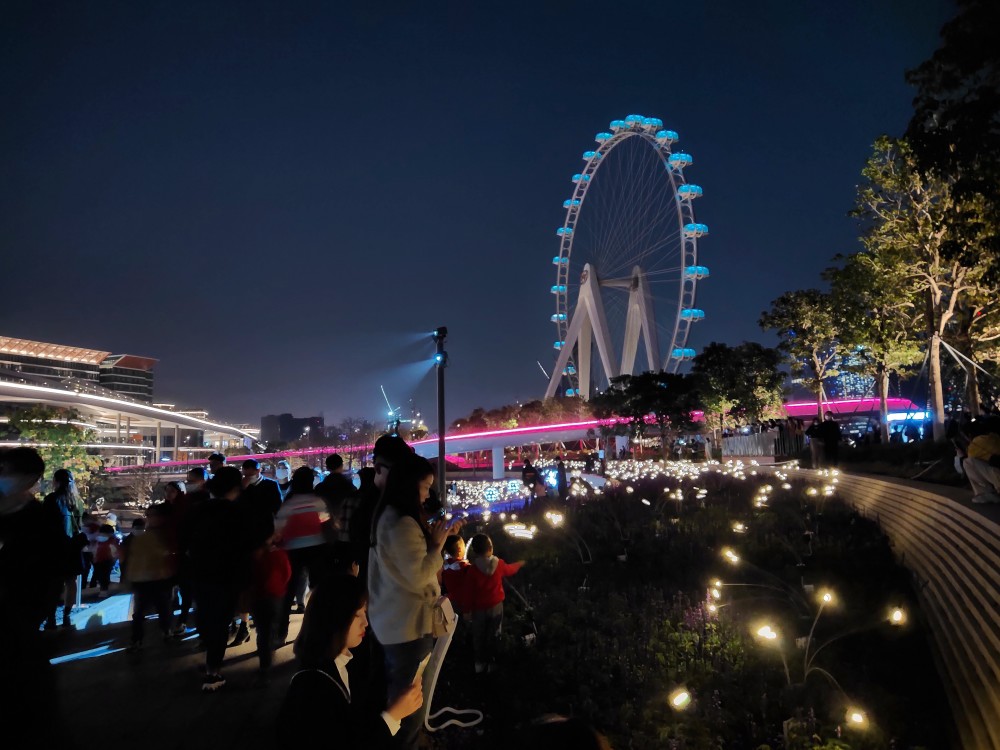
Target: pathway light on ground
x=767 y=633
x=786 y=486
x=680 y=699
x=645 y=502
x=730 y=555
x=716 y=594
x=739 y=528
x=812 y=491
x=856 y=718
x=519 y=531
x=897 y=616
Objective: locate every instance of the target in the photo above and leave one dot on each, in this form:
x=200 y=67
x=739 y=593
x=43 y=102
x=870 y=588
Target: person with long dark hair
x=64 y=504
x=321 y=699
x=402 y=577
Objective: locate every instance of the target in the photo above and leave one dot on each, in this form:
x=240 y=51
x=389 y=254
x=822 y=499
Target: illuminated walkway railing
x=955 y=554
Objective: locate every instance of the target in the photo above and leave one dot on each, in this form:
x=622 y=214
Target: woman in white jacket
x=402 y=579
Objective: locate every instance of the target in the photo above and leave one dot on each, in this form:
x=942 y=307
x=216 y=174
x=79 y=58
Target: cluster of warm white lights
x=520 y=530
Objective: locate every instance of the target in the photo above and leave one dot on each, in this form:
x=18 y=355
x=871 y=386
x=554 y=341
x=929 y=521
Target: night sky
x=280 y=200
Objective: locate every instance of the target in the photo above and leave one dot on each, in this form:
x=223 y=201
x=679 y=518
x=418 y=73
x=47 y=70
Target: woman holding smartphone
x=403 y=563
x=320 y=700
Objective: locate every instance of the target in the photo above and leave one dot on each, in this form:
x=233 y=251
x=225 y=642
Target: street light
x=440 y=362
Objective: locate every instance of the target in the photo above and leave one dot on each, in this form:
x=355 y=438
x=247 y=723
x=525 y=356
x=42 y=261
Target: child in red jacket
x=454 y=574
x=483 y=587
x=271 y=573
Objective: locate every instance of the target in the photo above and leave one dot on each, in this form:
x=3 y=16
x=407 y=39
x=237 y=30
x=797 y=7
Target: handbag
x=442 y=617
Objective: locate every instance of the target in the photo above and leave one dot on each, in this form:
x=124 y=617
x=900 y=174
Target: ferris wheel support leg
x=585 y=348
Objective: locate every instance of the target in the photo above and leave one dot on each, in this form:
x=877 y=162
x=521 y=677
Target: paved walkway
x=154 y=701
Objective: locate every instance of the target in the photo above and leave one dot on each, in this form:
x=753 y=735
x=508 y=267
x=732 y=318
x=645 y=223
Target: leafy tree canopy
x=741 y=383
x=59 y=438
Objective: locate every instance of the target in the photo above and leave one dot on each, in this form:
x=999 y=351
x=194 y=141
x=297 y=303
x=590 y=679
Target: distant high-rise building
x=284 y=428
x=848 y=382
x=127 y=375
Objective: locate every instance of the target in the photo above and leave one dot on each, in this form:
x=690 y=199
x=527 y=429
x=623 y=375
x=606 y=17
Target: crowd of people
x=238 y=550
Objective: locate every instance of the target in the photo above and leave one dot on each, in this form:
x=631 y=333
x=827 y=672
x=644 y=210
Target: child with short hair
x=483 y=585
x=149 y=565
x=453 y=574
x=105 y=555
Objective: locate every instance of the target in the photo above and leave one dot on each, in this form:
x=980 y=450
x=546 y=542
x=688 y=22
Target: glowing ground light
x=519 y=531
x=645 y=502
x=730 y=556
x=716 y=594
x=826 y=597
x=767 y=632
x=897 y=616
x=856 y=718
x=680 y=699
x=554 y=518
x=712 y=608
x=739 y=528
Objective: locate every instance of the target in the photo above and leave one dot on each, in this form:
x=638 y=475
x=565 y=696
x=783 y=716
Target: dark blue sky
x=277 y=199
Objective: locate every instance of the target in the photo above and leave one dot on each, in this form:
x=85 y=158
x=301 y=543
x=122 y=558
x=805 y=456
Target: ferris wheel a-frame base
x=589 y=325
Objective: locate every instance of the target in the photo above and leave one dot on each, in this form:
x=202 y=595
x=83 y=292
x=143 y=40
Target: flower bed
x=673 y=609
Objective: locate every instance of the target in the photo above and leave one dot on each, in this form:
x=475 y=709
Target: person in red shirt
x=453 y=574
x=271 y=573
x=483 y=587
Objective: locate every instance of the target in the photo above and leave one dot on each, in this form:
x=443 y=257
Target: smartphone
x=420 y=670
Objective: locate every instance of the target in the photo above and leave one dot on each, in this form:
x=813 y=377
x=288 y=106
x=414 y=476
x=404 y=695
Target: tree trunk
x=883 y=406
x=936 y=388
x=972 y=395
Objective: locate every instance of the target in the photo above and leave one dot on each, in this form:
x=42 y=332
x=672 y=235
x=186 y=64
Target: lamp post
x=440 y=362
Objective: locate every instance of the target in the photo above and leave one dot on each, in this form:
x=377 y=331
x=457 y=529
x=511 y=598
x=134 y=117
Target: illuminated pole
x=441 y=361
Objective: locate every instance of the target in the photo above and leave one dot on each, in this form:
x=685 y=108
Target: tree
x=738 y=383
x=808 y=336
x=955 y=129
x=665 y=399
x=60 y=439
x=873 y=308
x=911 y=230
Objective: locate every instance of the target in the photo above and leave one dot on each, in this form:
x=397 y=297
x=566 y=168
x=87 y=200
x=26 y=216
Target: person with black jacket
x=342 y=499
x=219 y=545
x=32 y=551
x=327 y=696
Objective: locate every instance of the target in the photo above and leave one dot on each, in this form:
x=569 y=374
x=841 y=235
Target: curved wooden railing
x=955 y=554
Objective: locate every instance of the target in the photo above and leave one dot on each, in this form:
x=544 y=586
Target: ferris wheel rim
x=684 y=213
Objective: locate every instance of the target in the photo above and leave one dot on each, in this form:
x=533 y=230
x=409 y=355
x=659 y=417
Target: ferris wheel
x=627 y=268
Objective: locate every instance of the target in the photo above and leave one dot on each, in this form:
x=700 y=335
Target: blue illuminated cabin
x=652 y=122
x=578 y=177
x=558 y=344
x=559 y=289
x=558 y=317
x=695 y=230
x=689 y=192
x=696 y=272
x=560 y=261
x=666 y=136
x=680 y=160
x=602 y=137
x=633 y=120
x=565 y=231
x=571 y=202
x=692 y=313
x=683 y=353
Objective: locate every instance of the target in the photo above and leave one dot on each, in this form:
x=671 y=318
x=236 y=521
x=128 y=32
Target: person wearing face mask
x=283 y=476
x=32 y=547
